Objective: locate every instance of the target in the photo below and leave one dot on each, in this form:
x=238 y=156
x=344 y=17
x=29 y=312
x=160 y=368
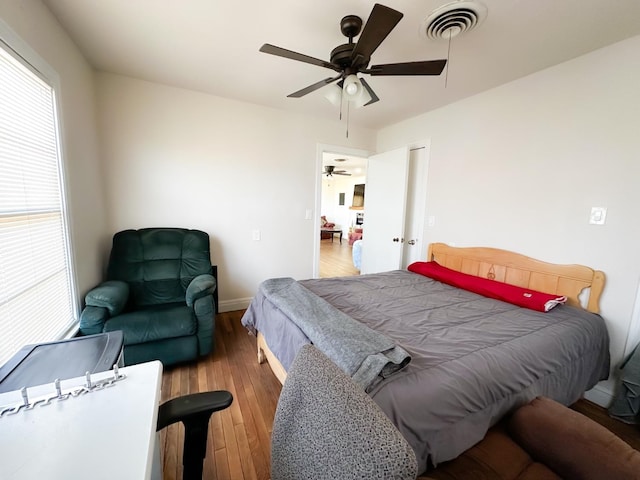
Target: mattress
x=473 y=359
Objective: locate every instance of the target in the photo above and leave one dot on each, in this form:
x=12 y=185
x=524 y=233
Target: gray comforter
x=365 y=355
x=474 y=359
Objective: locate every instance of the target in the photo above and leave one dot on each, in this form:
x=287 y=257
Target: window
x=36 y=292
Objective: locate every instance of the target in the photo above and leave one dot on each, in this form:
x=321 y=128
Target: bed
x=472 y=359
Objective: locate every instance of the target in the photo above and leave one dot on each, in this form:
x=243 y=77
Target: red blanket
x=523 y=297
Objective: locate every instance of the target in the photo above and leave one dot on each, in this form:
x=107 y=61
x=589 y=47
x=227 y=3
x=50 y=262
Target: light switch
x=255 y=234
x=307 y=214
x=598 y=215
x=431 y=220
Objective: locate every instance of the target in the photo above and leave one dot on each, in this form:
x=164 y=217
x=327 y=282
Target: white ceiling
x=355 y=166
x=212 y=46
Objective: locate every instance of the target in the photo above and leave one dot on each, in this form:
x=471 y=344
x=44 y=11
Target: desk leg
x=340 y=237
x=156 y=465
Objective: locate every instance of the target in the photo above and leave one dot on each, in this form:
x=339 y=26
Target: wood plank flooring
x=335 y=259
x=239 y=437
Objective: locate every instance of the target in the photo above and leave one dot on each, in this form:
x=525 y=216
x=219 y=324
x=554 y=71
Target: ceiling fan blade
x=314 y=87
x=343 y=174
x=429 y=67
x=372 y=94
x=283 y=52
x=380 y=23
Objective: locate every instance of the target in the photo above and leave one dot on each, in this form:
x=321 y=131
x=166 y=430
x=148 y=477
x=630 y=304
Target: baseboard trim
x=233 y=305
x=599 y=395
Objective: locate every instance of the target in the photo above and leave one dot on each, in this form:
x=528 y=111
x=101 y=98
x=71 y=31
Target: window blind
x=36 y=295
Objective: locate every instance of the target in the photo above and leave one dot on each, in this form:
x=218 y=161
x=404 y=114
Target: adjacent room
x=342 y=220
x=278 y=218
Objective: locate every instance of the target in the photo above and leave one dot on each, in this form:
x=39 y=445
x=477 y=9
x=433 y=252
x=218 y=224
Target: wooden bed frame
x=503 y=266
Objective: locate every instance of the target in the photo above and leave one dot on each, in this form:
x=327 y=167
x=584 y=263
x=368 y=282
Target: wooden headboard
x=516 y=269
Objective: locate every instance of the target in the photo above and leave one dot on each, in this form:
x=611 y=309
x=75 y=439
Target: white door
x=415 y=248
x=385 y=202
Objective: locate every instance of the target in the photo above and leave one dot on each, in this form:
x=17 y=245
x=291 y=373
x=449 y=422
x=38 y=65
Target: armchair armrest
x=112 y=295
x=92 y=320
x=200 y=286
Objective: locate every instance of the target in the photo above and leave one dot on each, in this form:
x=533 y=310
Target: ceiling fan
x=330 y=171
x=351 y=59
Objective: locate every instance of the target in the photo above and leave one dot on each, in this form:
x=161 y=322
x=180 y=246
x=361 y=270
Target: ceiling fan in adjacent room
x=330 y=171
x=351 y=59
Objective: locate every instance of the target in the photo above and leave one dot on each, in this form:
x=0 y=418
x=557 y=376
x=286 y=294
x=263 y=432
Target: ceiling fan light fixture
x=333 y=93
x=361 y=99
x=352 y=87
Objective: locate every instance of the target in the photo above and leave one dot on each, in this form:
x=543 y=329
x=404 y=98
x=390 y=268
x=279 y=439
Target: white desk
x=105 y=434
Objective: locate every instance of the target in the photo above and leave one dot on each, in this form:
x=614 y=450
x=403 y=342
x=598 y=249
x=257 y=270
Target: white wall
x=36 y=26
x=180 y=158
x=519 y=167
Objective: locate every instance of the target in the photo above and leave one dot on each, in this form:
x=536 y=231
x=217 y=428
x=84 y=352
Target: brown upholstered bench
x=544 y=440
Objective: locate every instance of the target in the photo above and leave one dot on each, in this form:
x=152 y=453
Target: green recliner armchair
x=161 y=291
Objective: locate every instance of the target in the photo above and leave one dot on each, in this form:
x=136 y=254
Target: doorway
x=339 y=152
x=332 y=205
x=342 y=212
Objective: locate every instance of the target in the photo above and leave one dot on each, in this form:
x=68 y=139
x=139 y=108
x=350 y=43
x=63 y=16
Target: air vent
x=453 y=19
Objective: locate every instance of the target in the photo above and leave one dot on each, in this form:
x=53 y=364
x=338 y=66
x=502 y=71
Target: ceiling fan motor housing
x=341 y=55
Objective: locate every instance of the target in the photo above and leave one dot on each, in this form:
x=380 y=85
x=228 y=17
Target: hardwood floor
x=239 y=437
x=335 y=259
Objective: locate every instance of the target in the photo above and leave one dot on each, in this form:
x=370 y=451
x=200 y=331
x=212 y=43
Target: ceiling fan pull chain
x=446 y=74
x=348 y=110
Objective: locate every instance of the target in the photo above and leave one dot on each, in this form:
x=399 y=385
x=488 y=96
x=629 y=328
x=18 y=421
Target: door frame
x=322 y=148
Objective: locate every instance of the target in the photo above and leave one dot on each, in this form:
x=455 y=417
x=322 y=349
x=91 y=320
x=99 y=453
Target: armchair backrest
x=158 y=263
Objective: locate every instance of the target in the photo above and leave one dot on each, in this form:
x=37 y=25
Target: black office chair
x=194 y=411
